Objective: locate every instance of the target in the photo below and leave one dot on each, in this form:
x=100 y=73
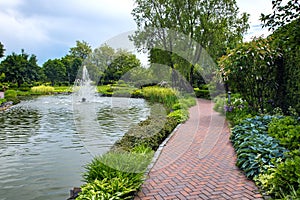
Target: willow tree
x=211 y=24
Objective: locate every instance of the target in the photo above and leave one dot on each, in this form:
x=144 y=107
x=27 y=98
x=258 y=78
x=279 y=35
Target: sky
x=49 y=28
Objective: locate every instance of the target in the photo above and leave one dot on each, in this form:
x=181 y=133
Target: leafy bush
x=279 y=180
x=187 y=101
x=287 y=131
x=202 y=93
x=11 y=95
x=137 y=93
x=236 y=111
x=180 y=115
x=116 y=175
x=42 y=89
x=255 y=149
x=150 y=133
x=2 y=101
x=117 y=164
x=166 y=96
x=115 y=188
x=252 y=65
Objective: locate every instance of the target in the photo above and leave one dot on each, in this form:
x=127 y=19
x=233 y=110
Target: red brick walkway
x=198 y=162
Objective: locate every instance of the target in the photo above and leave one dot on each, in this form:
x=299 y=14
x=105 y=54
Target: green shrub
x=115 y=188
x=150 y=133
x=202 y=93
x=180 y=115
x=10 y=94
x=187 y=101
x=287 y=131
x=2 y=101
x=254 y=148
x=235 y=111
x=137 y=93
x=116 y=175
x=220 y=102
x=166 y=96
x=279 y=180
x=117 y=164
x=42 y=89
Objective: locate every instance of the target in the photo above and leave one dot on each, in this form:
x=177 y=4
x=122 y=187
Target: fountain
x=83 y=88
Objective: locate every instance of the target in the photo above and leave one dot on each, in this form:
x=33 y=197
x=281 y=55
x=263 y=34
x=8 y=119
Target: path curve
x=198 y=162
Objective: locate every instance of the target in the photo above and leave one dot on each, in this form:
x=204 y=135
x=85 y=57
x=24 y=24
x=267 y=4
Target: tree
x=1 y=50
x=82 y=50
x=123 y=63
x=98 y=61
x=214 y=25
x=282 y=14
x=20 y=68
x=250 y=69
x=72 y=65
x=285 y=22
x=55 y=70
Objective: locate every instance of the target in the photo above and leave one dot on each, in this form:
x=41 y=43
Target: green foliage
x=235 y=111
x=117 y=164
x=202 y=93
x=287 y=131
x=178 y=33
x=2 y=101
x=11 y=95
x=109 y=189
x=72 y=65
x=150 y=132
x=123 y=63
x=63 y=89
x=116 y=175
x=54 y=70
x=254 y=147
x=275 y=169
x=221 y=16
x=42 y=89
x=166 y=96
x=123 y=90
x=287 y=38
x=250 y=70
x=20 y=68
x=282 y=13
x=180 y=115
x=284 y=179
x=81 y=50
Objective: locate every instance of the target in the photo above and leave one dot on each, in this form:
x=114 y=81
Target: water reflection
x=45 y=142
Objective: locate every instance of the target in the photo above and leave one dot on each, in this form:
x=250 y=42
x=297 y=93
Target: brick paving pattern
x=198 y=162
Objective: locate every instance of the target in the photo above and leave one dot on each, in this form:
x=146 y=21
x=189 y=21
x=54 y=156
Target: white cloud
x=40 y=25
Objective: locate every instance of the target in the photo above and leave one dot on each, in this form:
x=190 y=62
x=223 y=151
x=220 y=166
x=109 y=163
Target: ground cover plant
x=268 y=152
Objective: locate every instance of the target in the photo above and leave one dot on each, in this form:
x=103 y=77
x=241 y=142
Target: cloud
x=40 y=25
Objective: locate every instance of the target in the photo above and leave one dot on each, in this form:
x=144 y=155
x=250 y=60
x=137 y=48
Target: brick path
x=198 y=162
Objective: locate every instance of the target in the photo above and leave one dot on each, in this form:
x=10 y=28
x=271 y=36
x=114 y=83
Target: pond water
x=45 y=142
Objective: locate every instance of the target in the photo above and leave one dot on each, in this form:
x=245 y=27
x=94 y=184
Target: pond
x=45 y=142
